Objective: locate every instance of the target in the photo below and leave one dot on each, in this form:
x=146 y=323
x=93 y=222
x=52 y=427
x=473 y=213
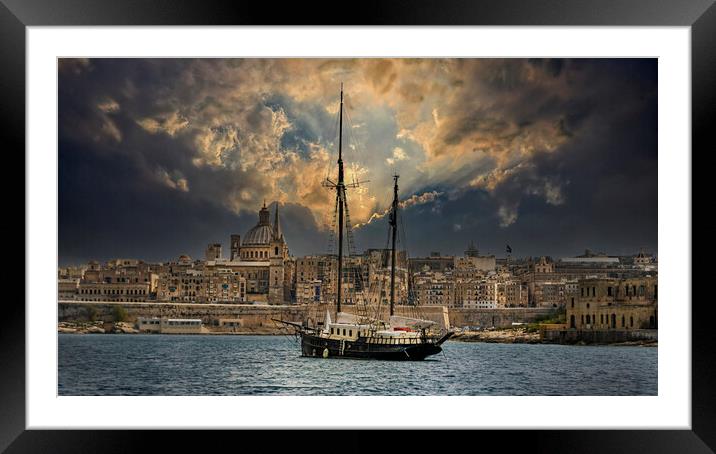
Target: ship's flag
x=508 y=249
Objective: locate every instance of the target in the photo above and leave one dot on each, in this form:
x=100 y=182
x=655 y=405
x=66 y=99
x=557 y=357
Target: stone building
x=223 y=285
x=365 y=277
x=125 y=280
x=114 y=291
x=376 y=264
x=476 y=293
x=643 y=259
x=71 y=272
x=313 y=268
x=259 y=269
x=213 y=252
x=181 y=284
x=548 y=294
x=235 y=241
x=543 y=265
x=614 y=303
x=67 y=289
x=472 y=260
x=207 y=282
x=261 y=257
x=435 y=262
x=434 y=288
x=309 y=292
x=511 y=293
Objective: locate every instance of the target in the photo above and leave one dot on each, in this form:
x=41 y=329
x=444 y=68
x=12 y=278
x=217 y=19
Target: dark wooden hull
x=314 y=346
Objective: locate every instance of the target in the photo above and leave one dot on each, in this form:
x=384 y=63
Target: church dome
x=260 y=235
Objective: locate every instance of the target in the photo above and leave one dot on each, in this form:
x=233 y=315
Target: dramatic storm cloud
x=158 y=157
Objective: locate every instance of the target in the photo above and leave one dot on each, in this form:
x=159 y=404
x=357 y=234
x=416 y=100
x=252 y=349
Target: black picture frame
x=700 y=15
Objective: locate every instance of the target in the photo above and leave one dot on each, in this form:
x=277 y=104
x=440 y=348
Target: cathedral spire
x=277 y=225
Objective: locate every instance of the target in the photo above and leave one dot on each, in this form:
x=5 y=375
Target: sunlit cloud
x=174 y=182
x=240 y=131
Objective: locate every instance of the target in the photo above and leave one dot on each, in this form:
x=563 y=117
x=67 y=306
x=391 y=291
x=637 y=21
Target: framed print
x=223 y=209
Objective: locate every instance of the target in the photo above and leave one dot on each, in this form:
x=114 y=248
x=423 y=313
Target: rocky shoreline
x=96 y=328
x=100 y=327
x=525 y=336
x=503 y=336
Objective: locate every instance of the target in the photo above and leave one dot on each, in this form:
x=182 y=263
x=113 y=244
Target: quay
x=508 y=325
x=256 y=318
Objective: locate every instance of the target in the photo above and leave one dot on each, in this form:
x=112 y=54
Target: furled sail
x=327 y=322
x=409 y=322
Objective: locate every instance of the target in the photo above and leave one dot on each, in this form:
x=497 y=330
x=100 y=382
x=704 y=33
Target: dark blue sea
x=163 y=365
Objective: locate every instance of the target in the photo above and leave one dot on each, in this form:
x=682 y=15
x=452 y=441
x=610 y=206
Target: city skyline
x=159 y=157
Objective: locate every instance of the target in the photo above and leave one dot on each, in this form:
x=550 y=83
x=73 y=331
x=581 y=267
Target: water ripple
x=265 y=365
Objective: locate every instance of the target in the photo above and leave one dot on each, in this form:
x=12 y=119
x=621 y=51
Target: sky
x=160 y=157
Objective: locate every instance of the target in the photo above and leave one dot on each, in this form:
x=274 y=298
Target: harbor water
x=186 y=365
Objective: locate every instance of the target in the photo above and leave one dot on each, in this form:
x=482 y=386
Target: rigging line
x=282 y=329
x=381 y=269
x=406 y=274
x=383 y=253
x=332 y=229
x=401 y=222
x=411 y=290
x=330 y=146
x=355 y=150
x=329 y=257
x=357 y=275
x=358 y=146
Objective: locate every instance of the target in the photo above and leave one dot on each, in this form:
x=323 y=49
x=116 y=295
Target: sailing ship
x=360 y=335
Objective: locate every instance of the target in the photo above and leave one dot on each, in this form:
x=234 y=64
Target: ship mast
x=341 y=204
x=394 y=230
x=340 y=198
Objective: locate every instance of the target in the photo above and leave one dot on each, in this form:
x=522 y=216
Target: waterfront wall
x=250 y=315
x=499 y=318
x=259 y=316
x=573 y=336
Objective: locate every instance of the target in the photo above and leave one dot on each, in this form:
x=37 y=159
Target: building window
x=582 y=289
x=572 y=301
x=588 y=320
x=344 y=331
x=631 y=321
x=582 y=319
x=594 y=291
x=609 y=291
x=623 y=321
x=350 y=332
